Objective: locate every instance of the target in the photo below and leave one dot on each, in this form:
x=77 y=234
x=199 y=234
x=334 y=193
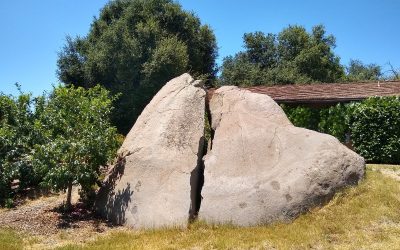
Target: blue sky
x=33 y=31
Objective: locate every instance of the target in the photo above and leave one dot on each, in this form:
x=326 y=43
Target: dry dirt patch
x=43 y=223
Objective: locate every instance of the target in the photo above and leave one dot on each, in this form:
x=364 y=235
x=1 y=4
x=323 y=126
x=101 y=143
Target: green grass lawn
x=362 y=217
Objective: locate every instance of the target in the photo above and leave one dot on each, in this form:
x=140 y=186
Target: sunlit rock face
x=263 y=169
x=154 y=183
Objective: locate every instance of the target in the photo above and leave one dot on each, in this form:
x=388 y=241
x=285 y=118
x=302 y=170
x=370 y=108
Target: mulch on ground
x=45 y=216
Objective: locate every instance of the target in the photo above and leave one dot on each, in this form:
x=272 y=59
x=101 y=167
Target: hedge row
x=373 y=126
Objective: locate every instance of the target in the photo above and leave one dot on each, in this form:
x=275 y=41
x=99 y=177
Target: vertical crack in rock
x=196 y=182
x=208 y=131
x=197 y=175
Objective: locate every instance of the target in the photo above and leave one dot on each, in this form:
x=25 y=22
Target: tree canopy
x=292 y=56
x=358 y=71
x=133 y=48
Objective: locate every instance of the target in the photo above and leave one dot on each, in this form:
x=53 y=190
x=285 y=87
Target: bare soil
x=46 y=225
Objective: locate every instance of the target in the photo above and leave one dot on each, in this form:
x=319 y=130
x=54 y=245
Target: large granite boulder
x=154 y=183
x=262 y=169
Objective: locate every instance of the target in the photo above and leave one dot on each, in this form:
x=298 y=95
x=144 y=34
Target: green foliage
x=375 y=129
x=292 y=56
x=335 y=120
x=207 y=129
x=357 y=71
x=133 y=48
x=17 y=138
x=78 y=137
x=373 y=124
x=304 y=117
x=56 y=140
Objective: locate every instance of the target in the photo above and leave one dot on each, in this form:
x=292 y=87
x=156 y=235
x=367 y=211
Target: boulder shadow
x=110 y=204
x=197 y=182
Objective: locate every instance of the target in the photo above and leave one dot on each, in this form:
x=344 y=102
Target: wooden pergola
x=326 y=94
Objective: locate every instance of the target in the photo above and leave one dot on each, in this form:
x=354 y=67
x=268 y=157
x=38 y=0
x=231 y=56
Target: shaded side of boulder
x=263 y=169
x=153 y=183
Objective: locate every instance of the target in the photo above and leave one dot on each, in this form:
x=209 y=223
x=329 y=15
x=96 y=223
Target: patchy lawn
x=362 y=217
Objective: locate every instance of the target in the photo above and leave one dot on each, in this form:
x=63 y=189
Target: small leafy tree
x=17 y=138
x=78 y=138
x=8 y=169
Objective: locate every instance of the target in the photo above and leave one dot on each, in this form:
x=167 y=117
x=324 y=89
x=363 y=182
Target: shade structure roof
x=326 y=93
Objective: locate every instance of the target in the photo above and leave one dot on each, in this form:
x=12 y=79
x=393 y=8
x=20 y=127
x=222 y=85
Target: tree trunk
x=68 y=205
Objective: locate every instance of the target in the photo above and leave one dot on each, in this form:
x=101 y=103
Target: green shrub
x=375 y=129
x=304 y=117
x=335 y=120
x=332 y=120
x=374 y=126
x=56 y=140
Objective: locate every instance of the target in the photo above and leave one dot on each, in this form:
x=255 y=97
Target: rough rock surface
x=154 y=182
x=262 y=169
